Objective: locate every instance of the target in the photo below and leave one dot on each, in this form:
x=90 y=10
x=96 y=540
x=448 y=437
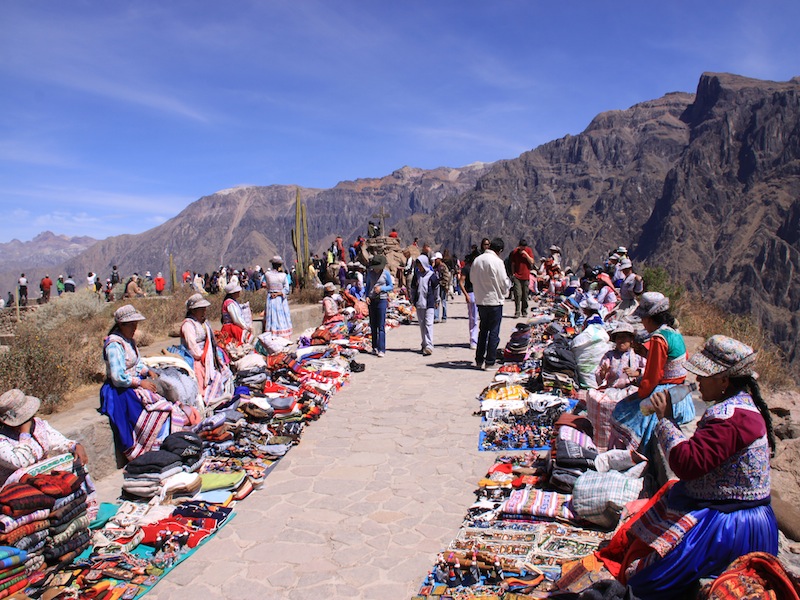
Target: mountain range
x=706 y=185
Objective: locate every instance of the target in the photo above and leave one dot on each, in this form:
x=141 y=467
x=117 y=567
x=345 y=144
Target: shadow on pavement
x=453 y=364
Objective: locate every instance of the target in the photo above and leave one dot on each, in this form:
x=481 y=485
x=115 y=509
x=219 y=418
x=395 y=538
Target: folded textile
x=202 y=510
x=210 y=423
x=54 y=554
x=197 y=529
x=154 y=477
x=77 y=524
x=34 y=563
x=572 y=455
x=14 y=571
x=29 y=541
x=221 y=481
x=7 y=585
x=21 y=532
x=56 y=483
x=182 y=484
x=130 y=514
x=57 y=526
x=141 y=489
x=10 y=556
x=563 y=478
x=538 y=503
x=57 y=516
x=185 y=444
x=19 y=499
x=65 y=524
x=154 y=461
x=60 y=502
x=9 y=524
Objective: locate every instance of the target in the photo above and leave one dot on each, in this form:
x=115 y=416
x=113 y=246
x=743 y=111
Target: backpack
x=445 y=277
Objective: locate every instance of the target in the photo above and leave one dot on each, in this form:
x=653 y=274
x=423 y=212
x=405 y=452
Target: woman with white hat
x=278 y=319
x=197 y=342
x=139 y=416
x=720 y=508
x=233 y=322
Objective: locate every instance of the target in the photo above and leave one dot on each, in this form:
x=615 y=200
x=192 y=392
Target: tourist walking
x=521 y=262
x=22 y=285
x=424 y=296
x=445 y=276
x=465 y=284
x=491 y=286
x=379 y=284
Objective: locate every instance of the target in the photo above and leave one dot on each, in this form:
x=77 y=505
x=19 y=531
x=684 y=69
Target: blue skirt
x=707 y=549
x=278 y=319
x=635 y=430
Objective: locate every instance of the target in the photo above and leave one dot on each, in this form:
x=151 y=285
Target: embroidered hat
x=614 y=257
x=127 y=314
x=555 y=248
x=196 y=301
x=591 y=304
x=652 y=303
x=16 y=408
x=276 y=260
x=722 y=356
x=622 y=250
x=623 y=328
x=232 y=288
x=329 y=287
x=625 y=263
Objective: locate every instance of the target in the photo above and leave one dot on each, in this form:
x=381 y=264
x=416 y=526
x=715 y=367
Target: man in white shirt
x=491 y=285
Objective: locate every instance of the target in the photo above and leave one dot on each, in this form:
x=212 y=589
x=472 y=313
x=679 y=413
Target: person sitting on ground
x=720 y=507
x=140 y=417
x=233 y=321
x=607 y=294
x=331 y=312
x=424 y=296
x=25 y=439
x=132 y=289
x=617 y=376
x=197 y=341
x=591 y=344
x=665 y=357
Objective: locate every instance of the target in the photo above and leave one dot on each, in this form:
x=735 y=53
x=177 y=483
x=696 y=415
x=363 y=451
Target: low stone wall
x=83 y=423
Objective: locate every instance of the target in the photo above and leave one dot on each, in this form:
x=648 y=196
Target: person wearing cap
x=444 y=277
x=160 y=283
x=139 y=416
x=617 y=376
x=277 y=318
x=25 y=439
x=665 y=368
x=490 y=285
x=197 y=343
x=424 y=295
x=720 y=507
x=630 y=288
x=379 y=284
x=233 y=322
x=521 y=262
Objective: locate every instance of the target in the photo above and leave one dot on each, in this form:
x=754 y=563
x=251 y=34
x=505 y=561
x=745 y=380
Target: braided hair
x=664 y=318
x=747 y=382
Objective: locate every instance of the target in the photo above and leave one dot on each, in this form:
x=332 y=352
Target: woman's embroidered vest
x=743 y=476
x=676 y=352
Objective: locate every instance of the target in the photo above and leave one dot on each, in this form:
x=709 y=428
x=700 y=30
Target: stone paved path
x=374 y=490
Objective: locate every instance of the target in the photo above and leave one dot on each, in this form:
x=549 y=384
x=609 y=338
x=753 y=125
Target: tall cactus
x=300 y=240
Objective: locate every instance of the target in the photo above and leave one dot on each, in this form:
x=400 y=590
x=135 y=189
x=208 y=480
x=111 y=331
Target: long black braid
x=738 y=384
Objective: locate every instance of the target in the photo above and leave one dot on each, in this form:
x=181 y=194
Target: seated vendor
x=139 y=416
x=330 y=305
x=720 y=508
x=25 y=439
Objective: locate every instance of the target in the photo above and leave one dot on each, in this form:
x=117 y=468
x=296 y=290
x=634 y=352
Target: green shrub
x=658 y=279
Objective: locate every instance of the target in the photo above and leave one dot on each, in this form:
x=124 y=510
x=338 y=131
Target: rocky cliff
x=245 y=226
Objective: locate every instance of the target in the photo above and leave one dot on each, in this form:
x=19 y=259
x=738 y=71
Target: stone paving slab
x=374 y=490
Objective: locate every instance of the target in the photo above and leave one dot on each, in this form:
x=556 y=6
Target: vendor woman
x=665 y=369
x=278 y=319
x=197 y=341
x=720 y=508
x=139 y=416
x=233 y=323
x=25 y=439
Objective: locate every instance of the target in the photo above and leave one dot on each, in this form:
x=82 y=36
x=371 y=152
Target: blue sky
x=116 y=115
